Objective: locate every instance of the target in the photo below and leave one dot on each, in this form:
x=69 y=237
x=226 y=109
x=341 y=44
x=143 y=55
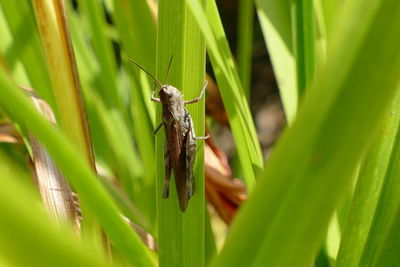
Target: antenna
x=147 y=72
x=169 y=65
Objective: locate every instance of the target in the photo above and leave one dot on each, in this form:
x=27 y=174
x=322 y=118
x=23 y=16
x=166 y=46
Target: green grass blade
x=330 y=13
x=304 y=44
x=388 y=252
x=75 y=168
x=235 y=101
x=245 y=43
x=210 y=245
x=27 y=236
x=365 y=199
x=304 y=180
x=181 y=235
x=275 y=21
x=388 y=203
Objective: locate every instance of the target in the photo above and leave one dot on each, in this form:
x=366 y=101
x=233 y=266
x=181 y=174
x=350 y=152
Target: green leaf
x=181 y=235
x=303 y=24
x=388 y=203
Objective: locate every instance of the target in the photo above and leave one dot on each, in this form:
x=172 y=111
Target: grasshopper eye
x=167 y=91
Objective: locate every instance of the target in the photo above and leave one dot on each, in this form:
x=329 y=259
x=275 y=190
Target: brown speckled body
x=180 y=149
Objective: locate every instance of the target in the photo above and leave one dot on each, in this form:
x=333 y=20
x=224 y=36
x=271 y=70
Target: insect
x=180 y=149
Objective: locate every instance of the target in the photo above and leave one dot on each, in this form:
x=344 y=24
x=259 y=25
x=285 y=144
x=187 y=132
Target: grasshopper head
x=169 y=94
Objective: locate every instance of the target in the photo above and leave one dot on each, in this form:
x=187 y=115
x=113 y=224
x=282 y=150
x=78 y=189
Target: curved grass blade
x=75 y=168
x=25 y=229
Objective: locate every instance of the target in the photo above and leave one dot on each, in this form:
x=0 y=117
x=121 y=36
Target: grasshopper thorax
x=169 y=94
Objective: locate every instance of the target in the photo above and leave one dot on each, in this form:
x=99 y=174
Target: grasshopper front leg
x=197 y=99
x=153 y=98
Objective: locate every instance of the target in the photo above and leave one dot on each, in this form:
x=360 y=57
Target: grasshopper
x=180 y=149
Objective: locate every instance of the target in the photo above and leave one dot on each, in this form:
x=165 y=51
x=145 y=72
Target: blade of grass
x=25 y=229
x=275 y=21
x=210 y=245
x=75 y=168
x=303 y=25
x=245 y=43
x=388 y=201
x=388 y=253
x=235 y=101
x=366 y=194
x=304 y=180
x=181 y=235
x=330 y=12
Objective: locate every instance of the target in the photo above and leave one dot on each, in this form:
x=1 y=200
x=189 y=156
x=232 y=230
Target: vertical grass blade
x=304 y=180
x=275 y=21
x=181 y=235
x=387 y=253
x=304 y=43
x=366 y=195
x=330 y=13
x=387 y=206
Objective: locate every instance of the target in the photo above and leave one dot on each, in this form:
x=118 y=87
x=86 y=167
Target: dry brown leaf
x=57 y=195
x=214 y=105
x=223 y=191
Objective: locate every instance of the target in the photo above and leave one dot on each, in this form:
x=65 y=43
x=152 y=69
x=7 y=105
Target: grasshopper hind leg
x=168 y=168
x=190 y=159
